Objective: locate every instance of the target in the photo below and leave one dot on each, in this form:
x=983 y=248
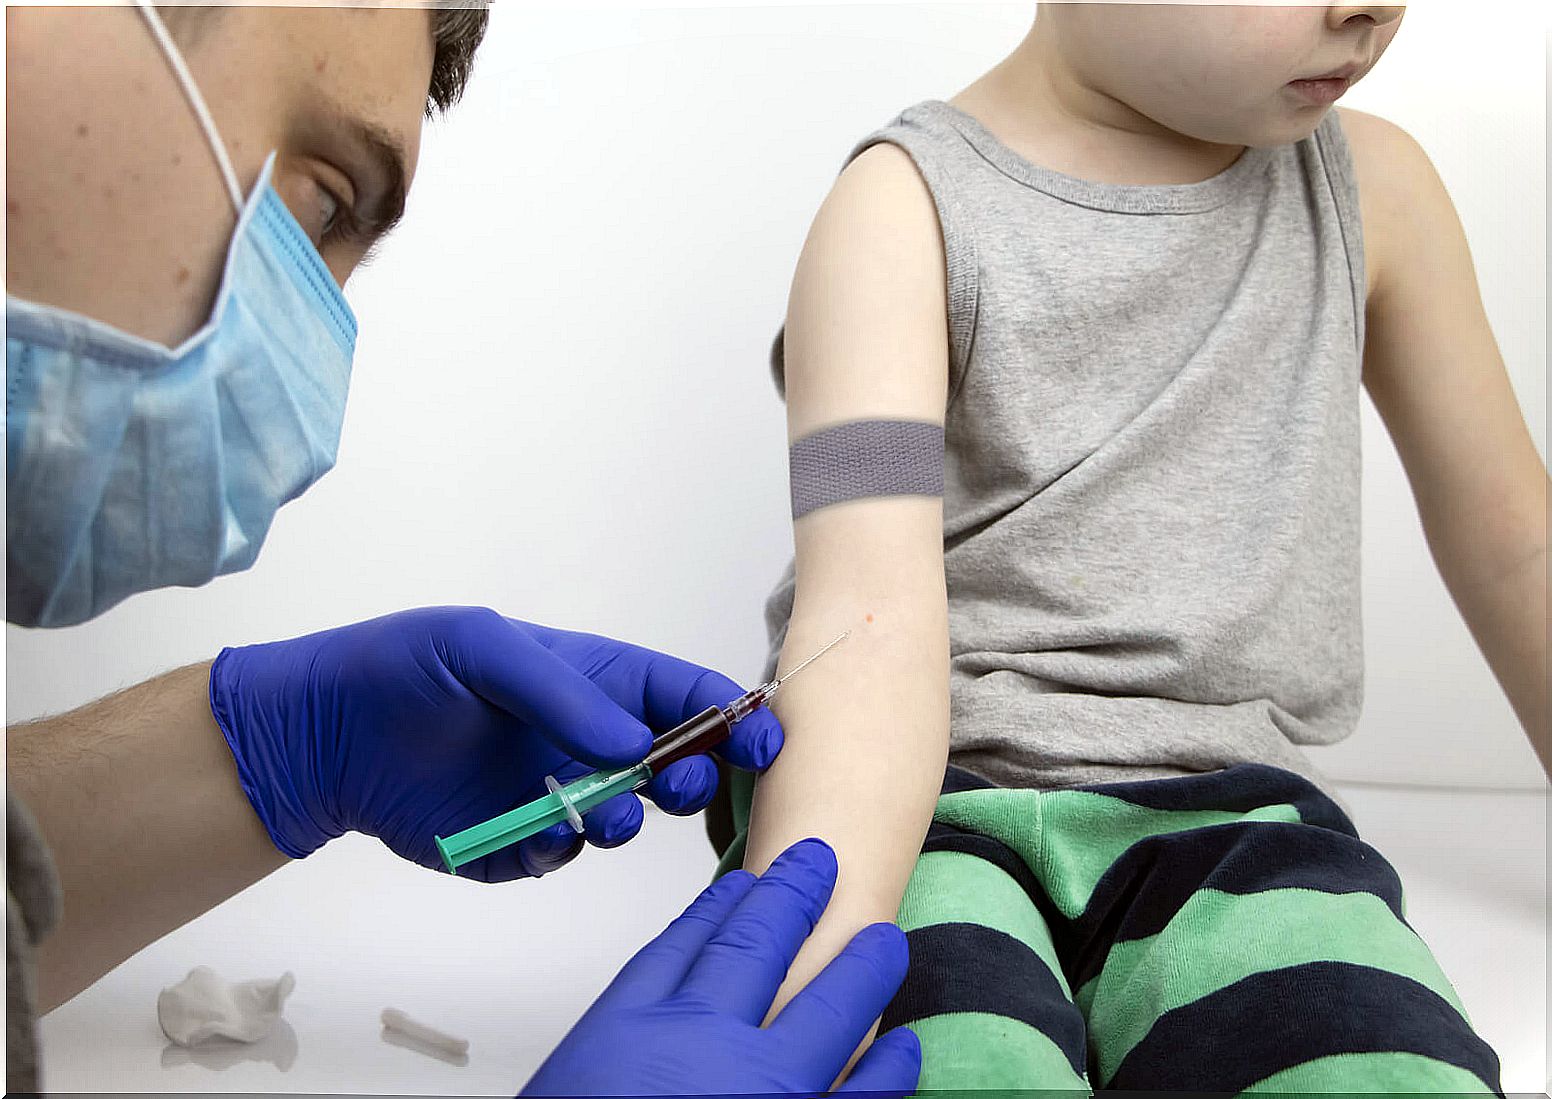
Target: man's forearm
x=138 y=799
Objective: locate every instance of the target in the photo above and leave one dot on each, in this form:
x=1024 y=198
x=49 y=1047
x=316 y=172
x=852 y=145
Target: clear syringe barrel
x=701 y=733
x=569 y=802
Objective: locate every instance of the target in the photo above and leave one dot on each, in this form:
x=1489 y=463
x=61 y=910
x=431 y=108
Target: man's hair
x=457 y=26
x=456 y=34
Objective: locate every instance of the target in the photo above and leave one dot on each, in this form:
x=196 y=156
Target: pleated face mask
x=132 y=466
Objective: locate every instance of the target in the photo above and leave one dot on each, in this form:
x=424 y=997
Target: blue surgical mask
x=132 y=466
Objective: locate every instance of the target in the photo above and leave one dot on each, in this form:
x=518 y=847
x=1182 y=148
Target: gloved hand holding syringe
x=567 y=803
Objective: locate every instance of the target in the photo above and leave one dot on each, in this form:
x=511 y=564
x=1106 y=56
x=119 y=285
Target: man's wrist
x=297 y=823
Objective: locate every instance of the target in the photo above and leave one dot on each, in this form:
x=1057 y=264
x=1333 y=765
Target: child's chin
x=1290 y=127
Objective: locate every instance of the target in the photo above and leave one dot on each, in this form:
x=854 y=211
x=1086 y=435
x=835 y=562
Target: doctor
x=183 y=204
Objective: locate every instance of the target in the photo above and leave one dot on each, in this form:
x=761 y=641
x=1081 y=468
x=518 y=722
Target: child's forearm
x=867 y=739
x=1500 y=585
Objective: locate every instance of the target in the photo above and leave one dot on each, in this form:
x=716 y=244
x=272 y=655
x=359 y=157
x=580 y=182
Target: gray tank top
x=1151 y=506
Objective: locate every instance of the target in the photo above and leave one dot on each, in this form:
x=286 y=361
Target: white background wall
x=561 y=406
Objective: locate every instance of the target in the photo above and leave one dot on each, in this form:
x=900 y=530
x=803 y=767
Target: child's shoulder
x=1400 y=194
x=1379 y=141
x=883 y=170
x=895 y=173
x=1390 y=164
x=879 y=196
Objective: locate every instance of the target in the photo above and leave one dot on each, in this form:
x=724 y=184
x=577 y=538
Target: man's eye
x=329 y=210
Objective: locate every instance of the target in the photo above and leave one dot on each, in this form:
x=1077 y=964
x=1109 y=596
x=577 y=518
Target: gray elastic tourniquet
x=866 y=458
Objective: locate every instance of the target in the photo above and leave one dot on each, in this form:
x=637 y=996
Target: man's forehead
x=362 y=92
x=371 y=61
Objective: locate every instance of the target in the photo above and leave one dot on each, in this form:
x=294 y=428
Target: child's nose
x=1343 y=15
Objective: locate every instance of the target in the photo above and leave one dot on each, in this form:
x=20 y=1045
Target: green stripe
x=972 y=1051
x=1084 y=997
x=952 y=887
x=1069 y=838
x=1219 y=938
x=1374 y=1073
x=741 y=793
x=733 y=857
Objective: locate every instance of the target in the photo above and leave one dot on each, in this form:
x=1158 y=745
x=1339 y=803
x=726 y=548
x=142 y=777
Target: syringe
x=704 y=731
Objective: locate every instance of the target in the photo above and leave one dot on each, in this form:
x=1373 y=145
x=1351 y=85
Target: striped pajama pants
x=1221 y=933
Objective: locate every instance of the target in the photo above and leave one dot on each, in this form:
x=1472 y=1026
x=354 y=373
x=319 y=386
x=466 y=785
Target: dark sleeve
x=31 y=911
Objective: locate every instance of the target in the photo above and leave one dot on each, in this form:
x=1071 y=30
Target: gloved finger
x=685 y=786
x=755 y=743
x=532 y=858
x=664 y=691
x=613 y=822
x=567 y=771
x=743 y=964
x=508 y=667
x=829 y=1018
x=549 y=850
x=890 y=1067
x=659 y=967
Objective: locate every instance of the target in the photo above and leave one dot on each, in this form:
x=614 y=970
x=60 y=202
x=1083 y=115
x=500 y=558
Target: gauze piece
x=204 y=1005
x=396 y=1020
x=866 y=458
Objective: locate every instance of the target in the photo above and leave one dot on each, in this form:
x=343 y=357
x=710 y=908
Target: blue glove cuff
x=291 y=814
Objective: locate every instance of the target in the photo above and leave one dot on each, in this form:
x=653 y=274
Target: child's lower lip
x=1323 y=92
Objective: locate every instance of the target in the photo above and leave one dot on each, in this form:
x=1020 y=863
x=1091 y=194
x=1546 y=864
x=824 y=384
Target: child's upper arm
x=867 y=334
x=1431 y=364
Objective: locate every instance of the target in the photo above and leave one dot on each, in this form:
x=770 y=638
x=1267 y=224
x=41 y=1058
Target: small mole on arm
x=320 y=63
x=182 y=276
x=81 y=130
x=870 y=618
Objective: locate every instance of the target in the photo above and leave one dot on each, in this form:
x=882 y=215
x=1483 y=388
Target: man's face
x=115 y=207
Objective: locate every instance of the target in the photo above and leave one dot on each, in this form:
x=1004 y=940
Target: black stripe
x=1237 y=790
x=945 y=837
x=1275 y=1020
x=956 y=780
x=967 y=967
x=1144 y=888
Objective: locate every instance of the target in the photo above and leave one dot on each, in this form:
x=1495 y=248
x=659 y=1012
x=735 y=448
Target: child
x=1137 y=273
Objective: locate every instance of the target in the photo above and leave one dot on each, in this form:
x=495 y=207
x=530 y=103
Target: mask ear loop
x=180 y=69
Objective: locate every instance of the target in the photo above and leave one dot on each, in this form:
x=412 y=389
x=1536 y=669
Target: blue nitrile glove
x=683 y=1016
x=426 y=722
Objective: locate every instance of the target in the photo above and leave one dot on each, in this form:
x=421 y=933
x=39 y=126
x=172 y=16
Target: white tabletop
x=510 y=967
